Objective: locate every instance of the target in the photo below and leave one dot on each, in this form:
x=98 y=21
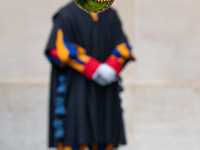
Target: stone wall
x=162 y=89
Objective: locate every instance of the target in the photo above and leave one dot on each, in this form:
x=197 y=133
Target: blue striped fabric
x=53 y=60
x=79 y=61
x=128 y=46
x=116 y=53
x=71 y=48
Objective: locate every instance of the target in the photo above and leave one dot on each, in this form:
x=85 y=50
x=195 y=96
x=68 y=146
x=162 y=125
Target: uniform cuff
x=115 y=64
x=90 y=67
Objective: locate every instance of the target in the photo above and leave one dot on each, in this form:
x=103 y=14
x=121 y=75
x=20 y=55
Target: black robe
x=93 y=112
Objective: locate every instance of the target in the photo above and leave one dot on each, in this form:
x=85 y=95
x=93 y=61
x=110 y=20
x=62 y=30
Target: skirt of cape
x=94 y=114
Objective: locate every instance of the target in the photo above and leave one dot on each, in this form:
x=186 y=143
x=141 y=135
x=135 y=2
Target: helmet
x=94 y=5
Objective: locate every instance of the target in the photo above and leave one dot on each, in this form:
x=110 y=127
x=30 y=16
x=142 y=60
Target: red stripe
x=54 y=53
x=114 y=63
x=90 y=68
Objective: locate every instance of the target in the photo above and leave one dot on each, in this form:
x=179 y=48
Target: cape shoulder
x=66 y=11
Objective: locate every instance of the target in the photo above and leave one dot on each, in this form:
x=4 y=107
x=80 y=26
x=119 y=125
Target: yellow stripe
x=60 y=146
x=112 y=56
x=82 y=147
x=63 y=52
x=94 y=16
x=124 y=51
x=80 y=49
x=68 y=148
x=121 y=60
x=84 y=58
x=94 y=146
x=109 y=147
x=75 y=65
x=81 y=54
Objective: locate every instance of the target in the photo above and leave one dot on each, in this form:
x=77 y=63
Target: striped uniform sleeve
x=72 y=55
x=120 y=55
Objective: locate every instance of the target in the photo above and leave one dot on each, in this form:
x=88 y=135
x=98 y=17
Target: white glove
x=100 y=81
x=104 y=75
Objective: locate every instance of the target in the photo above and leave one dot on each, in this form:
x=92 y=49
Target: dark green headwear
x=94 y=5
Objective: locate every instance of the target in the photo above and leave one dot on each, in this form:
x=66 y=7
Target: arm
x=120 y=55
x=74 y=56
x=61 y=52
x=121 y=52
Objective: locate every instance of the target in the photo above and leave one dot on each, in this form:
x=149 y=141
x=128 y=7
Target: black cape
x=93 y=112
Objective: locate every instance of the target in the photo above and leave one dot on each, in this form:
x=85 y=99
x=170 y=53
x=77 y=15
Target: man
x=87 y=52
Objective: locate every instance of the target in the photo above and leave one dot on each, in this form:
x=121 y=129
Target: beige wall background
x=162 y=89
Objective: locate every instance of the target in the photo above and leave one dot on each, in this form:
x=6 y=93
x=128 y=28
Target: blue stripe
x=59 y=129
x=128 y=46
x=87 y=54
x=76 y=148
x=102 y=147
x=79 y=61
x=116 y=53
x=53 y=60
x=71 y=48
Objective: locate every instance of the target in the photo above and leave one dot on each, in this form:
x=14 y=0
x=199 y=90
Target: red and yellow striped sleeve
x=72 y=55
x=120 y=55
x=84 y=63
x=65 y=50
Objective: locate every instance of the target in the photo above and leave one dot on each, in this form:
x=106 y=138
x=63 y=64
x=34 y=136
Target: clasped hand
x=104 y=75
